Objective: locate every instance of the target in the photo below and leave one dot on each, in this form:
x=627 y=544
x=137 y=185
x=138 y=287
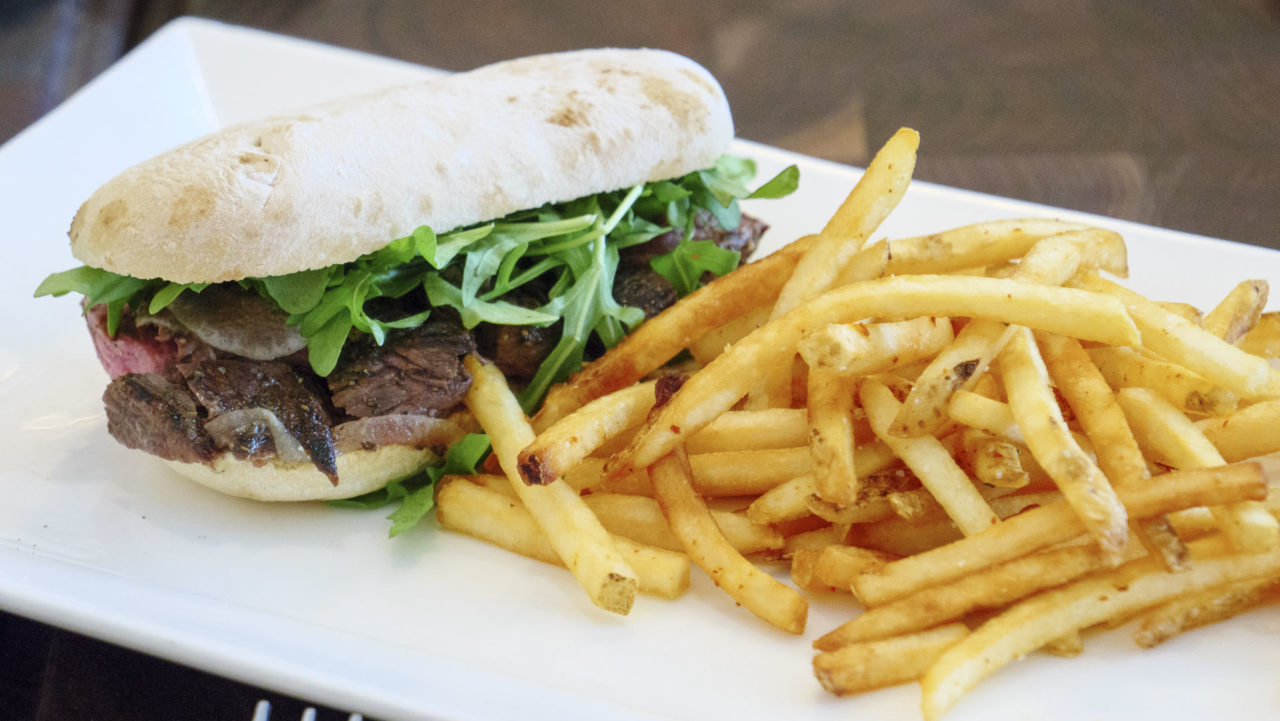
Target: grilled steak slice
x=644 y=288
x=149 y=413
x=417 y=372
x=223 y=386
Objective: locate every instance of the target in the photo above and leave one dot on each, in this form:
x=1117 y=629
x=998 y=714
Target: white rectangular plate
x=317 y=602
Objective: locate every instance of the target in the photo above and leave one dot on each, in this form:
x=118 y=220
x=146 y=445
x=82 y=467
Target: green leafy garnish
x=685 y=265
x=416 y=495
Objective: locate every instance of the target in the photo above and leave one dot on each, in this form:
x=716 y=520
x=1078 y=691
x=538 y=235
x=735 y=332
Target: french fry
x=752 y=430
x=991 y=588
x=692 y=523
x=1041 y=527
x=952 y=369
x=990 y=459
x=1127 y=368
x=640 y=519
x=831 y=442
x=903 y=538
x=971 y=246
x=498 y=518
x=1178 y=340
x=876 y=194
x=1038 y=415
x=787 y=501
x=866 y=348
x=1099 y=414
x=1250 y=431
x=1055 y=259
x=566 y=442
x=573 y=531
x=931 y=463
x=1201 y=609
x=713 y=342
x=1264 y=339
x=1186 y=310
x=1170 y=436
x=1236 y=315
x=876 y=664
x=992 y=416
x=1040 y=619
x=720 y=385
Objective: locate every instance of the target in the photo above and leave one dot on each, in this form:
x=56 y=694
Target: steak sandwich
x=283 y=306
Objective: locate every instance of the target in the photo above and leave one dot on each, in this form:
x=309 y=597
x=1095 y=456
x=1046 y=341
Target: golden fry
x=573 y=531
x=876 y=664
x=1037 y=413
x=692 y=523
x=498 y=518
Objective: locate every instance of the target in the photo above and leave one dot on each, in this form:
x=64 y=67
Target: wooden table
x=1160 y=111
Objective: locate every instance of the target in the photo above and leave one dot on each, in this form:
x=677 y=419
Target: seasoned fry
x=1178 y=340
x=1168 y=435
x=692 y=523
x=1239 y=312
x=1201 y=609
x=831 y=442
x=931 y=463
x=1040 y=619
x=875 y=664
x=980 y=412
x=1044 y=526
x=990 y=588
x=498 y=518
x=787 y=501
x=753 y=430
x=1037 y=413
x=1055 y=259
x=1127 y=368
x=721 y=384
x=924 y=410
x=1264 y=339
x=866 y=348
x=1250 y=431
x=713 y=342
x=990 y=459
x=876 y=194
x=1099 y=414
x=640 y=519
x=577 y=435
x=971 y=246
x=573 y=531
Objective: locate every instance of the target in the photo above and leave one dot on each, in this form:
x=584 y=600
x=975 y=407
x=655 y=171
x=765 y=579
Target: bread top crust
x=330 y=184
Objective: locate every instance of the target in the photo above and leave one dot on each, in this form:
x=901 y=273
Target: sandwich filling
x=300 y=368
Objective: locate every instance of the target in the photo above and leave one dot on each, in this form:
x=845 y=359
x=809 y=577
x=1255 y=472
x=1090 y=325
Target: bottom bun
x=359 y=472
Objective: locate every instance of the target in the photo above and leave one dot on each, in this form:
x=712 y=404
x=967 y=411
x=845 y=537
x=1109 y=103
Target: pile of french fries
x=988 y=444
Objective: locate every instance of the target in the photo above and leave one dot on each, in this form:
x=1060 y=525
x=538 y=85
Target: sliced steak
x=644 y=288
x=417 y=372
x=223 y=386
x=143 y=344
x=147 y=412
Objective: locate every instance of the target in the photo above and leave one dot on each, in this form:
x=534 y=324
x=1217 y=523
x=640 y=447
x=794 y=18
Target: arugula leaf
x=684 y=265
x=416 y=494
x=298 y=292
x=780 y=185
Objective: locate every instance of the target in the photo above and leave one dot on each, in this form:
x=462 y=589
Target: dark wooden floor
x=1160 y=111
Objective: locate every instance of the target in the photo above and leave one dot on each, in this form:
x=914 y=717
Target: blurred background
x=1165 y=112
